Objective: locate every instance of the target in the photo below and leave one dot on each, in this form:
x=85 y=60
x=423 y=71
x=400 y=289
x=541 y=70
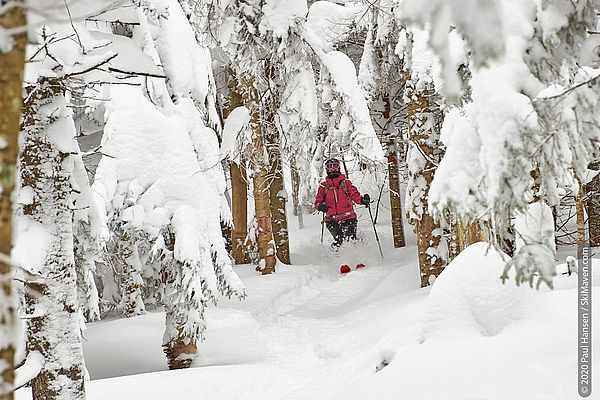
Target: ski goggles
x=332 y=166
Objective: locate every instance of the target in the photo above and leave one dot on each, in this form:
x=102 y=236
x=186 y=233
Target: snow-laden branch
x=550 y=93
x=108 y=58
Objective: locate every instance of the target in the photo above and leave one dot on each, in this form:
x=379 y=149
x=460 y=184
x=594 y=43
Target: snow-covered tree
x=533 y=108
x=162 y=184
x=44 y=234
x=275 y=50
x=58 y=232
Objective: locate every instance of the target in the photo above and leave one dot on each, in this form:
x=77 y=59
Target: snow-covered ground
x=308 y=332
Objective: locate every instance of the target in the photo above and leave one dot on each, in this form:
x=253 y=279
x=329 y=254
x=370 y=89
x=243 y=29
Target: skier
x=335 y=198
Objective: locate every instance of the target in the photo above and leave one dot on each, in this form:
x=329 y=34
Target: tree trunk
x=11 y=100
x=424 y=121
x=296 y=194
x=456 y=243
x=270 y=104
x=474 y=233
x=278 y=199
x=580 y=212
x=260 y=179
x=239 y=186
x=132 y=282
x=53 y=324
x=239 y=209
x=181 y=350
x=395 y=201
x=593 y=207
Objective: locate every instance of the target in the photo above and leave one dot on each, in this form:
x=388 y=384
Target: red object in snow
x=344 y=269
x=361 y=265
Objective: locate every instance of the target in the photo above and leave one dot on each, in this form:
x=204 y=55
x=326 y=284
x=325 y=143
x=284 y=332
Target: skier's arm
x=320 y=196
x=353 y=192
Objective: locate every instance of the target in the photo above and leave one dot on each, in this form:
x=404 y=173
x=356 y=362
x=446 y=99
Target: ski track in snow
x=308 y=332
x=304 y=330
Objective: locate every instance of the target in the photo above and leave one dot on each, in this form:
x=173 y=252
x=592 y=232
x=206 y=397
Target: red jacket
x=337 y=199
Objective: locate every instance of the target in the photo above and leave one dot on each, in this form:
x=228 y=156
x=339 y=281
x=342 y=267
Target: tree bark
x=278 y=199
x=593 y=207
x=239 y=186
x=239 y=209
x=474 y=233
x=580 y=212
x=132 y=303
x=180 y=351
x=424 y=120
x=11 y=100
x=270 y=104
x=395 y=201
x=53 y=325
x=260 y=179
x=296 y=194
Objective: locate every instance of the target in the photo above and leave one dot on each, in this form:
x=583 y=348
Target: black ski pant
x=342 y=230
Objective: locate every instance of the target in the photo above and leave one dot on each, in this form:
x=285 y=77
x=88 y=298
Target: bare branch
x=97 y=66
x=135 y=73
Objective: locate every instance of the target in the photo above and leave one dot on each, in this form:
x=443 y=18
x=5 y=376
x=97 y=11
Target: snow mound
x=468 y=298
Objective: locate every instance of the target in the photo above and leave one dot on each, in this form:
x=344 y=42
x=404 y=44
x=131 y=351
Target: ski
x=345 y=268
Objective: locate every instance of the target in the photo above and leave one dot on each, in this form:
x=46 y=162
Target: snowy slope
x=307 y=332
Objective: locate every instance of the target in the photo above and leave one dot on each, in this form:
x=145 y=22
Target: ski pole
x=375 y=230
x=322 y=227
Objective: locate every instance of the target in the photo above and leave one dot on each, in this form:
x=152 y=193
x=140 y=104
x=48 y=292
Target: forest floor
x=308 y=332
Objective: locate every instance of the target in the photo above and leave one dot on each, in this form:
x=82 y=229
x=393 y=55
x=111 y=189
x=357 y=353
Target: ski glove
x=365 y=200
x=322 y=207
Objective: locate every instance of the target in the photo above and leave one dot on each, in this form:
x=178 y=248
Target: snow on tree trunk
x=12 y=59
x=131 y=272
x=296 y=194
x=183 y=324
x=424 y=121
x=260 y=180
x=534 y=242
x=593 y=207
x=277 y=190
x=45 y=242
x=239 y=186
x=395 y=202
x=85 y=252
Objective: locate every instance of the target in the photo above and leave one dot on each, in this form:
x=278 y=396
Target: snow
x=235 y=134
x=32 y=366
x=184 y=61
x=469 y=300
x=129 y=56
x=31 y=241
x=279 y=15
x=6 y=40
x=332 y=22
x=125 y=14
x=535 y=225
x=307 y=332
x=459 y=174
x=343 y=76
